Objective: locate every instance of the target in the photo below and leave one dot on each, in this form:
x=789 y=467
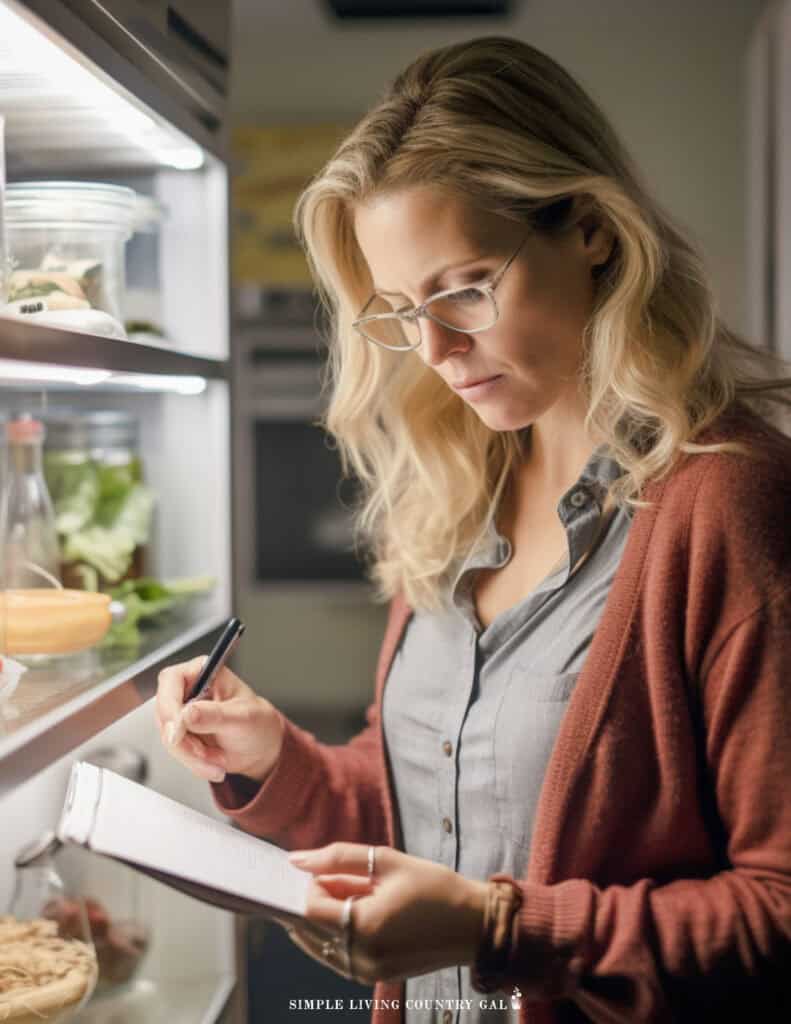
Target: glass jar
x=95 y=476
x=48 y=967
x=66 y=240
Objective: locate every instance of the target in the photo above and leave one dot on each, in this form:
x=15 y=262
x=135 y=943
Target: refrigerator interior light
x=16 y=372
x=13 y=370
x=179 y=385
x=46 y=86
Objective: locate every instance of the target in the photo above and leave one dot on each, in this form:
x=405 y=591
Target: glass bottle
x=45 y=942
x=27 y=521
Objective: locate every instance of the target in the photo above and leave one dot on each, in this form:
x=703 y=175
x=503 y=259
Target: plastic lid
x=70 y=204
x=25 y=430
x=69 y=430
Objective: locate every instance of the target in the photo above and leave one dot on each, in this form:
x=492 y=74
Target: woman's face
x=529 y=359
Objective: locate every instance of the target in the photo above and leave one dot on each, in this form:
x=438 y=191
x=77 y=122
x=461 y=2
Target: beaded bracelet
x=503 y=900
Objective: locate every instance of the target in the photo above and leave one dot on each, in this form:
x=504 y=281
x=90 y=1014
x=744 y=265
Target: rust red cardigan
x=659 y=880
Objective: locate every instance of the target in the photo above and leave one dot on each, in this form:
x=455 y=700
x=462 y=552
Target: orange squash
x=42 y=621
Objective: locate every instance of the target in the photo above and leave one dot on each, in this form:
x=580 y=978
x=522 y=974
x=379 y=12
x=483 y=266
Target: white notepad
x=187 y=850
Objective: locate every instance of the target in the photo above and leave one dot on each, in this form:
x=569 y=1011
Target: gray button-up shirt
x=470 y=717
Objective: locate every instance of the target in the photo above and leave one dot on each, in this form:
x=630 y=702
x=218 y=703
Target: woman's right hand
x=234 y=730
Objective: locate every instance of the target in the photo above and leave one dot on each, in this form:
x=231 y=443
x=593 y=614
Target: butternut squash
x=42 y=621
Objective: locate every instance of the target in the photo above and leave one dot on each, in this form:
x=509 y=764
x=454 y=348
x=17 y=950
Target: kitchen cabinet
x=108 y=93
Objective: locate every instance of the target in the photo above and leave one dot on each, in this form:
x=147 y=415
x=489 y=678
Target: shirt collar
x=579 y=510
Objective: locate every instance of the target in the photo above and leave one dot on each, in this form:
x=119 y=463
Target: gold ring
x=371 y=861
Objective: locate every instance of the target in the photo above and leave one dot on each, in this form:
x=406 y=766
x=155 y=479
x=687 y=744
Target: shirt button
x=447 y=1016
x=578 y=499
x=447 y=746
x=447 y=824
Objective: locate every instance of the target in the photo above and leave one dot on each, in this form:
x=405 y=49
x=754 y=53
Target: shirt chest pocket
x=525 y=729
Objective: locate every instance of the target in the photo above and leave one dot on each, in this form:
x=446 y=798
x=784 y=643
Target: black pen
x=202 y=685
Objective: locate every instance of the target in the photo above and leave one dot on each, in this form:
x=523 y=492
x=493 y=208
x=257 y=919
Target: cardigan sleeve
x=715 y=948
x=315 y=793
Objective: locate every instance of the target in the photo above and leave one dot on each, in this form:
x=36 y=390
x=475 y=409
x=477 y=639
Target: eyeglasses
x=469 y=309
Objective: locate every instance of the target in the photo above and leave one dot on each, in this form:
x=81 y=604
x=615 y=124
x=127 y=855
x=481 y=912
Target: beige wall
x=670 y=74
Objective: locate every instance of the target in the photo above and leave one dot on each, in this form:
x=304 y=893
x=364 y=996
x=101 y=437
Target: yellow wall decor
x=272 y=164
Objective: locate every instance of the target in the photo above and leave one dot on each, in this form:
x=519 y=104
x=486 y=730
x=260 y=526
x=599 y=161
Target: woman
x=571 y=791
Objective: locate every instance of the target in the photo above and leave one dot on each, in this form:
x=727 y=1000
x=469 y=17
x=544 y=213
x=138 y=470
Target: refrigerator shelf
x=56 y=709
x=33 y=343
x=192 y=1000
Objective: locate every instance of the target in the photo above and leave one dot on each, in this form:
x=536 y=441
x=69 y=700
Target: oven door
x=303 y=509
x=295 y=506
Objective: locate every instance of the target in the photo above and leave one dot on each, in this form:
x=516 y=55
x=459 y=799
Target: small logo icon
x=516 y=998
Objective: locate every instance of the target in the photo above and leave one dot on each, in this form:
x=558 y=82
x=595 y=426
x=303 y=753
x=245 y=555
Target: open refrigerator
x=132 y=94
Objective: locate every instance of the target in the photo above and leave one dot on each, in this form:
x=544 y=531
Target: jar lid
x=44 y=846
x=122 y=760
x=70 y=204
x=68 y=429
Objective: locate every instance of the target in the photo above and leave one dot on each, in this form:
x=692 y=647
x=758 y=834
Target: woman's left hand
x=412 y=917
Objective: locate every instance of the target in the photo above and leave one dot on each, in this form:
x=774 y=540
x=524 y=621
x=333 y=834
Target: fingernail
x=218 y=776
x=298 y=857
x=170 y=732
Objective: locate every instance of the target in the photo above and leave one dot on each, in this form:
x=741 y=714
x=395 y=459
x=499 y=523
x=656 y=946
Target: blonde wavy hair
x=504 y=127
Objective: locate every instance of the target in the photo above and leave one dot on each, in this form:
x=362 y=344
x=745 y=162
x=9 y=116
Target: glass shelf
x=60 y=705
x=34 y=343
x=165 y=1001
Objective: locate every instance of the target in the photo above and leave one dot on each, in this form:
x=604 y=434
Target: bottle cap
x=24 y=430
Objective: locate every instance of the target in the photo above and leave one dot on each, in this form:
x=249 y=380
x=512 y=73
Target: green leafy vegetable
x=102 y=512
x=146 y=599
x=37 y=290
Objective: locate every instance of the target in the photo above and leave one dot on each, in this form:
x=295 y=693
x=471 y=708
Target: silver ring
x=346 y=916
x=347 y=925
x=371 y=861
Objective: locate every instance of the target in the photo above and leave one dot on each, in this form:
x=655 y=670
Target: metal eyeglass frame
x=414 y=314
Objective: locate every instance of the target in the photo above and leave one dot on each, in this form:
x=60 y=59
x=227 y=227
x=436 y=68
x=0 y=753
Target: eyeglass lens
x=468 y=309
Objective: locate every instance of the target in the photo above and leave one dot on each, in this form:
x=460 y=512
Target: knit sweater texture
x=659 y=881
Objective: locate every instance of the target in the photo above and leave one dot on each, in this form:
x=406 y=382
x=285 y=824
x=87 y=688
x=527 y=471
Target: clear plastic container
x=66 y=242
x=143 y=312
